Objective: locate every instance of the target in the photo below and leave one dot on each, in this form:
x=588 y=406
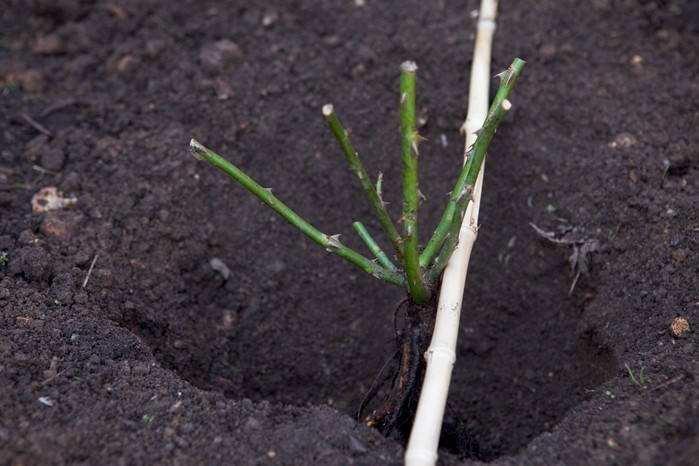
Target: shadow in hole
x=521 y=371
x=523 y=361
x=302 y=329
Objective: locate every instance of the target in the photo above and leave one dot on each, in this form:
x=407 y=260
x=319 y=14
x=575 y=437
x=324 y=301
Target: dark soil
x=152 y=357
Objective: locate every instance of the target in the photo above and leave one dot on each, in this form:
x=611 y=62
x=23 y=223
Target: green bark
x=416 y=285
x=329 y=242
x=370 y=191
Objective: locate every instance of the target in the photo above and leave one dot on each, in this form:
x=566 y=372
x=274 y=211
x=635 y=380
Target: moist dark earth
x=122 y=344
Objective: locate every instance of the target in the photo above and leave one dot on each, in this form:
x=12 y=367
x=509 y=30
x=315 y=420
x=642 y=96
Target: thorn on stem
x=501 y=75
x=511 y=76
x=379 y=185
x=333 y=242
x=467 y=190
x=403 y=99
x=413 y=146
x=461 y=195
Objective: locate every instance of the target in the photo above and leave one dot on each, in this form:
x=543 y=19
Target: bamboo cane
x=441 y=355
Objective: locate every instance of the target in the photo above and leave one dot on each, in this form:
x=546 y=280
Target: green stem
x=330 y=243
x=416 y=285
x=439 y=236
x=372 y=193
x=374 y=248
x=442 y=234
x=450 y=225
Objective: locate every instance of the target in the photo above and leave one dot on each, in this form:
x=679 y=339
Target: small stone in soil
x=140 y=368
x=62 y=225
x=53 y=159
x=219 y=55
x=679 y=327
x=51 y=44
x=32 y=81
x=356 y=445
x=219 y=266
x=187 y=428
x=49 y=198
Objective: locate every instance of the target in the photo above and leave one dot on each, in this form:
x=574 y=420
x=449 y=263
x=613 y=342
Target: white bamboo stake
x=441 y=355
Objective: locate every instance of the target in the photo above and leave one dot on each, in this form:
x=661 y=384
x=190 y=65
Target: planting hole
x=235 y=300
x=306 y=329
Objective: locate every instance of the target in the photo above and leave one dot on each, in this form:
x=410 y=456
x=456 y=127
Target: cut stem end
x=409 y=66
x=197 y=150
x=328 y=110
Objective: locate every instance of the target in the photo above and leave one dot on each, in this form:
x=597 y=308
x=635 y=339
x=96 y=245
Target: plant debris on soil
x=153 y=312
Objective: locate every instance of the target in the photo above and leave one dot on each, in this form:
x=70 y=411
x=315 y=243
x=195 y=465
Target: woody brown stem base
x=398 y=408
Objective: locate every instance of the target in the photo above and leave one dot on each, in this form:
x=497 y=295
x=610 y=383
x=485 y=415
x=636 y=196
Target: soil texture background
x=165 y=316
